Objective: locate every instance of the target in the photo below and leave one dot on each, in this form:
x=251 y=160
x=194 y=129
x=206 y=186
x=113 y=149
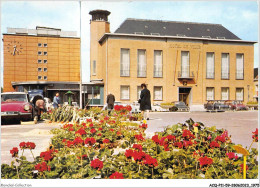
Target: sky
x=240 y=17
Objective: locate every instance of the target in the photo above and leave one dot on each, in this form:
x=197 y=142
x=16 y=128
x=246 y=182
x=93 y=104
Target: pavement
x=239 y=124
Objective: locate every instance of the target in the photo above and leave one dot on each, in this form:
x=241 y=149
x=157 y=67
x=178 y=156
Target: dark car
x=221 y=106
x=181 y=106
x=16 y=105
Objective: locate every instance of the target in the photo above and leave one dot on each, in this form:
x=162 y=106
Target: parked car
x=181 y=106
x=237 y=105
x=16 y=105
x=221 y=106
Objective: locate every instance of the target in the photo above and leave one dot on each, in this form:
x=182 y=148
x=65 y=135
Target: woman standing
x=145 y=101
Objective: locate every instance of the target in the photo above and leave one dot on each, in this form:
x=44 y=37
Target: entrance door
x=184 y=95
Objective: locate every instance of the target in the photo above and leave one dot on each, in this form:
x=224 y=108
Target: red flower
x=83 y=157
x=129 y=153
x=106 y=118
x=116 y=175
x=99 y=134
x=71 y=129
x=171 y=138
x=78 y=141
x=187 y=134
x=152 y=162
x=242 y=167
x=231 y=155
x=118 y=133
x=138 y=147
x=128 y=108
x=91 y=125
x=178 y=144
x=155 y=138
x=93 y=131
x=89 y=120
x=209 y=137
x=42 y=167
x=47 y=155
x=112 y=130
x=221 y=138
x=195 y=125
x=143 y=126
x=64 y=140
x=70 y=143
x=81 y=131
x=22 y=145
x=97 y=164
x=138 y=156
x=214 y=144
x=105 y=141
x=204 y=161
x=90 y=141
x=14 y=152
x=100 y=129
x=139 y=137
x=255 y=135
x=118 y=107
x=187 y=143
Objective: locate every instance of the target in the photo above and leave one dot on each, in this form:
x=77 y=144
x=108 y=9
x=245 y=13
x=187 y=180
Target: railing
x=185 y=75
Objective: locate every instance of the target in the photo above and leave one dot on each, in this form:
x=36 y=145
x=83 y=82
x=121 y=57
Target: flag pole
x=80 y=84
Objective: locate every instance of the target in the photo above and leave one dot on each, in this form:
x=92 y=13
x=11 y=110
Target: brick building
x=179 y=61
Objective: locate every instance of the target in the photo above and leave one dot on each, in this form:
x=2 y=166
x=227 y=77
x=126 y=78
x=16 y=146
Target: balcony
x=185 y=75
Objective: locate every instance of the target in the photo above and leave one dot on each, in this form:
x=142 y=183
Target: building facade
x=42 y=58
x=179 y=61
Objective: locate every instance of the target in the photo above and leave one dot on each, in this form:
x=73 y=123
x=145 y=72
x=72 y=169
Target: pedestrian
x=40 y=107
x=110 y=102
x=56 y=101
x=145 y=101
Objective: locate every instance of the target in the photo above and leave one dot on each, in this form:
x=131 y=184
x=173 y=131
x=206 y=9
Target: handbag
x=139 y=101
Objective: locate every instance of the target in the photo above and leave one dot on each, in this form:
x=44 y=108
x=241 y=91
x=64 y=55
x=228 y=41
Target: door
x=184 y=95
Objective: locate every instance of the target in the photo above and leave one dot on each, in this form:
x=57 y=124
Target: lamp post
x=80 y=84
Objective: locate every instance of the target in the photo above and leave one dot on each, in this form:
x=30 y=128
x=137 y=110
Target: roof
x=13 y=92
x=173 y=28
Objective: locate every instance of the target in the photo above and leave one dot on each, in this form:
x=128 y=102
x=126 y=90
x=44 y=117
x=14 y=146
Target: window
x=45 y=61
x=45 y=77
x=225 y=66
x=39 y=77
x=210 y=93
x=39 y=44
x=240 y=67
x=139 y=89
x=158 y=93
x=141 y=64
x=224 y=93
x=45 y=45
x=39 y=69
x=125 y=63
x=210 y=65
x=39 y=53
x=125 y=92
x=240 y=94
x=39 y=61
x=158 y=63
x=94 y=67
x=185 y=64
x=45 y=69
x=45 y=53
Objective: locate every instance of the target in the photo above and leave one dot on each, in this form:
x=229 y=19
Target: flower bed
x=109 y=148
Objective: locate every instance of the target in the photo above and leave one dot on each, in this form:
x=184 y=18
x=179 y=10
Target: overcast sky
x=240 y=17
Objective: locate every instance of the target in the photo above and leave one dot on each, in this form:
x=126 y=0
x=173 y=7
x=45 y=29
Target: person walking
x=56 y=101
x=110 y=102
x=40 y=107
x=145 y=101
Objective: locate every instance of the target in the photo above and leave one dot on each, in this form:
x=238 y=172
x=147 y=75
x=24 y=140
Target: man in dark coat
x=145 y=101
x=110 y=102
